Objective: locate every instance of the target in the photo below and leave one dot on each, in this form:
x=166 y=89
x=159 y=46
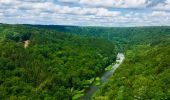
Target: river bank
x=93 y=89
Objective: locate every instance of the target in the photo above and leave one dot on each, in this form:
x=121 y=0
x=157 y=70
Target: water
x=104 y=78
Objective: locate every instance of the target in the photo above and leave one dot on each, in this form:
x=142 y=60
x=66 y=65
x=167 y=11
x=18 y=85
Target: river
x=104 y=78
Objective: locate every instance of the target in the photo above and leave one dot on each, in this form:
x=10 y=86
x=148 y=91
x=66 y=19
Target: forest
x=55 y=65
x=144 y=75
x=61 y=62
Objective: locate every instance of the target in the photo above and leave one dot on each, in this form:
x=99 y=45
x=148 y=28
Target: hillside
x=145 y=72
x=122 y=37
x=55 y=65
x=143 y=75
x=62 y=62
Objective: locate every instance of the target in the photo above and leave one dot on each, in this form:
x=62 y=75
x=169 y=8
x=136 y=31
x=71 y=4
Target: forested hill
x=54 y=66
x=61 y=62
x=122 y=37
x=144 y=75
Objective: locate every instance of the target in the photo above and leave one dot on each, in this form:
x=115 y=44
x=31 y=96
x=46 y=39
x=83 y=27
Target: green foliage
x=109 y=68
x=54 y=66
x=97 y=81
x=77 y=94
x=122 y=37
x=144 y=74
x=61 y=62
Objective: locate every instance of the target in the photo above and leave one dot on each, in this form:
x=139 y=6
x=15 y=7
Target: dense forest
x=145 y=72
x=144 y=75
x=122 y=37
x=55 y=65
x=61 y=62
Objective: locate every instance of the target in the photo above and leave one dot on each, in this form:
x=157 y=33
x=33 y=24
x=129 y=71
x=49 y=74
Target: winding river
x=104 y=78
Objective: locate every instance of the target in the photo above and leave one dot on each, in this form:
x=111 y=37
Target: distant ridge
x=54 y=27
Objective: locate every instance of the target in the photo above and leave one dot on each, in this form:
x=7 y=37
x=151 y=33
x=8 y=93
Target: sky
x=86 y=12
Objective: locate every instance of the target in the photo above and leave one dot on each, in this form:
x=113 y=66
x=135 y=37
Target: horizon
x=107 y=13
x=84 y=25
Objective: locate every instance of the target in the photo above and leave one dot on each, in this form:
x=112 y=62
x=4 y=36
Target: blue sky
x=86 y=12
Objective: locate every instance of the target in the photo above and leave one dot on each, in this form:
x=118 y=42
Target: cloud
x=104 y=12
x=83 y=12
x=69 y=1
x=160 y=14
x=54 y=8
x=163 y=6
x=33 y=0
x=111 y=3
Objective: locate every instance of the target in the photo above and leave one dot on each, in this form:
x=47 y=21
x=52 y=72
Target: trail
x=93 y=89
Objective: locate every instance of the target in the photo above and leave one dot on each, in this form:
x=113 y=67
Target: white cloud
x=1 y=14
x=91 y=12
x=160 y=14
x=106 y=13
x=167 y=1
x=54 y=8
x=69 y=1
x=134 y=3
x=6 y=1
x=111 y=3
x=163 y=6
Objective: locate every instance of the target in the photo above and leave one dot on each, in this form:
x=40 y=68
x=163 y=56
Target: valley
x=71 y=63
x=104 y=78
